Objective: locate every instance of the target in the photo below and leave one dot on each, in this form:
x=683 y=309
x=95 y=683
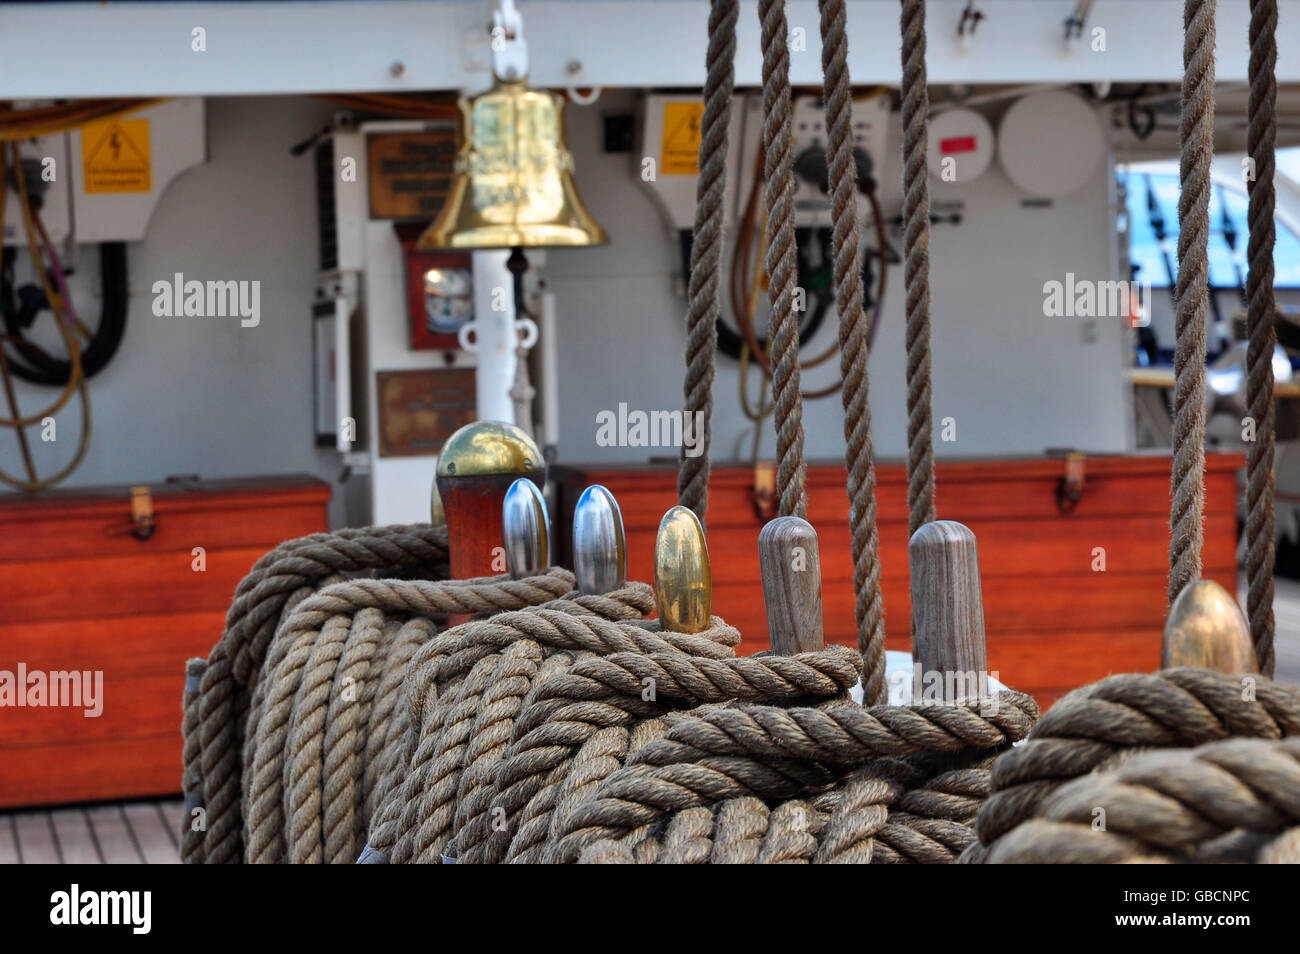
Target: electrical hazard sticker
x=115 y=156
x=681 y=139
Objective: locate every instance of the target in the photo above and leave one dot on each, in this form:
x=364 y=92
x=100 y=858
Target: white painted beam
x=141 y=49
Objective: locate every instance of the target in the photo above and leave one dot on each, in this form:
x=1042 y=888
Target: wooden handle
x=1206 y=628
x=683 y=579
x=599 y=543
x=948 y=609
x=474 y=526
x=790 y=564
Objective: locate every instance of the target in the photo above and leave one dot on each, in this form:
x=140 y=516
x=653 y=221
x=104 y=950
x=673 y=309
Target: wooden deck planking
x=157 y=847
x=114 y=835
x=94 y=834
x=36 y=841
x=77 y=842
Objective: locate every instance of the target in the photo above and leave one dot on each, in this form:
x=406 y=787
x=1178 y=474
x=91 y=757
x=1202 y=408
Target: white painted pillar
x=495 y=337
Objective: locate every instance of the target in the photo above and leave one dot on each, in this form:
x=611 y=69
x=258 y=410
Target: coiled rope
x=893 y=810
x=706 y=249
x=916 y=267
x=282 y=577
x=1102 y=723
x=1261 y=142
x=1236 y=800
x=869 y=610
x=774 y=753
x=1196 y=142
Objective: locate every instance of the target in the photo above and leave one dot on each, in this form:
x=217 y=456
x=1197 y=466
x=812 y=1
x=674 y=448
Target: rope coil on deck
x=1102 y=724
x=1230 y=801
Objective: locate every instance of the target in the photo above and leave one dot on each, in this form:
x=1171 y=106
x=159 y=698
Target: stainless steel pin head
x=526 y=529
x=599 y=546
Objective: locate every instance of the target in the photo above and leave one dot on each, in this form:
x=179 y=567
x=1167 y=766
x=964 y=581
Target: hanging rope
x=1196 y=139
x=706 y=250
x=869 y=609
x=916 y=267
x=1261 y=140
x=778 y=196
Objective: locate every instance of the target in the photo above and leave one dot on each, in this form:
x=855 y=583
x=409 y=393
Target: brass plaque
x=410 y=173
x=419 y=410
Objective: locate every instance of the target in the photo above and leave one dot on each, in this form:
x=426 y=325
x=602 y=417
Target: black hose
x=42 y=368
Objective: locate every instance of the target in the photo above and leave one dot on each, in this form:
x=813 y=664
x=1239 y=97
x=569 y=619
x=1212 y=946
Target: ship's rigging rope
x=1261 y=141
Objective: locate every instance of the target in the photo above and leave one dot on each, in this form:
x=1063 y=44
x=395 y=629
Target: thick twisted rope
x=463 y=691
x=260 y=600
x=771 y=753
x=706 y=250
x=869 y=610
x=890 y=811
x=582 y=725
x=778 y=196
x=1261 y=142
x=259 y=784
x=1172 y=804
x=916 y=266
x=191 y=782
x=451 y=781
x=1099 y=723
x=1196 y=141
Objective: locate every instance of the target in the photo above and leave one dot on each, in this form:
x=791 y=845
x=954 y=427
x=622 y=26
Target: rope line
x=1196 y=142
x=1261 y=141
x=869 y=612
x=916 y=267
x=706 y=250
x=778 y=196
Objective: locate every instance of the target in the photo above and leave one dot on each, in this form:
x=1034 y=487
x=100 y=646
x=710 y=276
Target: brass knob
x=683 y=580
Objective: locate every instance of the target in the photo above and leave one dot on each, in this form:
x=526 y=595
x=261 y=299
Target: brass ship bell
x=513 y=177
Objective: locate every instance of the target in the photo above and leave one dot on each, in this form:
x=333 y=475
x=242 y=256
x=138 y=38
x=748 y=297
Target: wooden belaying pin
x=790 y=564
x=599 y=544
x=683 y=580
x=475 y=469
x=525 y=529
x=1206 y=628
x=948 y=610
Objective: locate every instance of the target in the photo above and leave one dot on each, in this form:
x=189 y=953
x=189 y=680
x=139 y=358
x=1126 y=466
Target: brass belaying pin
x=1206 y=628
x=599 y=544
x=525 y=529
x=683 y=580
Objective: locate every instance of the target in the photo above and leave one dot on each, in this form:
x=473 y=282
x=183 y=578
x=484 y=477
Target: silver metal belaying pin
x=599 y=544
x=525 y=529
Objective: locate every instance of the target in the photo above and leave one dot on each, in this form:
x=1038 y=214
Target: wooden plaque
x=410 y=173
x=419 y=410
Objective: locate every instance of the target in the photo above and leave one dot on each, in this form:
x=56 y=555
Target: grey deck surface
x=130 y=833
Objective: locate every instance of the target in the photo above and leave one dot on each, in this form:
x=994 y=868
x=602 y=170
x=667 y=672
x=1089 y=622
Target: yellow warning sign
x=115 y=156
x=681 y=140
